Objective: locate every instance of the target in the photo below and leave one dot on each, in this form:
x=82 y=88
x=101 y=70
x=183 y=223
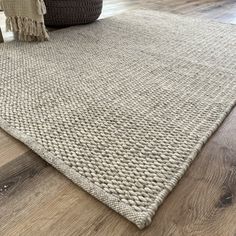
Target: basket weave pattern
x=72 y=12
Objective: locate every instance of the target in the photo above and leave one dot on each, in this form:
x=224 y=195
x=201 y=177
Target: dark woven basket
x=62 y=13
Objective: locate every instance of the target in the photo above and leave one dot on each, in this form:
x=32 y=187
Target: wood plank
x=35 y=199
x=10 y=148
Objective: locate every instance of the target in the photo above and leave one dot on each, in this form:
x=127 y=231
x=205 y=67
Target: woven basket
x=62 y=13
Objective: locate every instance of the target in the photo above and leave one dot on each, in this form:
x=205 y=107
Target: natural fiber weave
x=121 y=106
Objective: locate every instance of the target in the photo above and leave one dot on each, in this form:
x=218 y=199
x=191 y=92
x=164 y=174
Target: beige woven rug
x=121 y=106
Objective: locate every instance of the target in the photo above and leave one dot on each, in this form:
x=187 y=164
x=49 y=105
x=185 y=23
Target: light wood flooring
x=35 y=199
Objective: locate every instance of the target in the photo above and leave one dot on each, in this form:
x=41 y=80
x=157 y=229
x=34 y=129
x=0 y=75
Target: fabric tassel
x=27 y=23
x=27 y=29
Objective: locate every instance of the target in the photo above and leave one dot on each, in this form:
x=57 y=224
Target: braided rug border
x=141 y=220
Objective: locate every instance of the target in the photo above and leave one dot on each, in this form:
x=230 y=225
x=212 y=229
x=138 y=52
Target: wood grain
x=35 y=199
x=10 y=148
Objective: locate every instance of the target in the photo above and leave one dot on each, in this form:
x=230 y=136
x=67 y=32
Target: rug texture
x=121 y=106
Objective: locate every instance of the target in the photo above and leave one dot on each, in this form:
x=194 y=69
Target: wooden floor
x=35 y=199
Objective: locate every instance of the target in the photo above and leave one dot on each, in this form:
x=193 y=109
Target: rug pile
x=121 y=106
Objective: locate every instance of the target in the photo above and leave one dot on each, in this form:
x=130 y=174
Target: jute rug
x=121 y=106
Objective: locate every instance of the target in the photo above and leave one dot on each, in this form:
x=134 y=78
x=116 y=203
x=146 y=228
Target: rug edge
x=141 y=220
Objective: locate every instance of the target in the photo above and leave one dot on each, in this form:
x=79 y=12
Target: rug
x=121 y=106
